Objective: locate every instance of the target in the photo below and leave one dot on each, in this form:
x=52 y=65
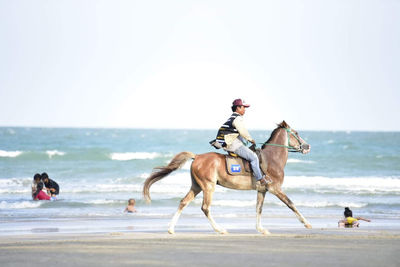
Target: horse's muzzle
x=305 y=148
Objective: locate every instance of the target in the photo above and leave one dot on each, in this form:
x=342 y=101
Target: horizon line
x=183 y=128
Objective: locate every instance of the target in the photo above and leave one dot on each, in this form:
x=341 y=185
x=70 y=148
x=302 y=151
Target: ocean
x=98 y=170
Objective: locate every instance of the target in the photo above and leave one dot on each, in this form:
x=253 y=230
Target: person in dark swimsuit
x=51 y=186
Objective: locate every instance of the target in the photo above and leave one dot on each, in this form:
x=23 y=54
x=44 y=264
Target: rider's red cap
x=240 y=102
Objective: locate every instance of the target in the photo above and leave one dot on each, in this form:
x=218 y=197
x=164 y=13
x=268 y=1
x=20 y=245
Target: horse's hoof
x=308 y=226
x=171 y=231
x=265 y=232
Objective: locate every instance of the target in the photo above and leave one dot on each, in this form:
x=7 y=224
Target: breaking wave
x=135 y=155
x=10 y=154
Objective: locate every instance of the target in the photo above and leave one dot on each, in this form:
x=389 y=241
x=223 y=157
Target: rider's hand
x=253 y=142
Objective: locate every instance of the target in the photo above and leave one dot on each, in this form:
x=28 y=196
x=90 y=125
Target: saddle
x=236 y=165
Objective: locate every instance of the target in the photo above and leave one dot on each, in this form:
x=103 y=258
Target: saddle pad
x=237 y=166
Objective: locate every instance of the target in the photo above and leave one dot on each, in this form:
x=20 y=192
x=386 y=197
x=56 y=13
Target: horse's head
x=295 y=142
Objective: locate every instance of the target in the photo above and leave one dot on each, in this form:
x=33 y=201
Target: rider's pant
x=246 y=153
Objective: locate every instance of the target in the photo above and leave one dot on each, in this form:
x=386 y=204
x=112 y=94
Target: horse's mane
x=283 y=124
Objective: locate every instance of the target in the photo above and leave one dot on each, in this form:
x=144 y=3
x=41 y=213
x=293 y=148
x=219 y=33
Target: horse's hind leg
x=283 y=197
x=207 y=199
x=260 y=202
x=194 y=190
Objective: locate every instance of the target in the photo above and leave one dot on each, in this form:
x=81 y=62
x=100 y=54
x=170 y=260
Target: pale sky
x=319 y=65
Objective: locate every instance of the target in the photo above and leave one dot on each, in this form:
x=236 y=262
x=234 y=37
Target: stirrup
x=232 y=154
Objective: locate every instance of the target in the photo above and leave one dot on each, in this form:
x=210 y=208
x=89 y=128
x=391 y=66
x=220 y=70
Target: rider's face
x=241 y=110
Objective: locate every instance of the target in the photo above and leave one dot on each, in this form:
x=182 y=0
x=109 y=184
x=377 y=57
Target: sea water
x=98 y=170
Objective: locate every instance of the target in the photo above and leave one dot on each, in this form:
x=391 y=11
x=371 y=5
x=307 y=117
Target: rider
x=233 y=135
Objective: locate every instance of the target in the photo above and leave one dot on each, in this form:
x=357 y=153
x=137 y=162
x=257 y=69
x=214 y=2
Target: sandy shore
x=317 y=247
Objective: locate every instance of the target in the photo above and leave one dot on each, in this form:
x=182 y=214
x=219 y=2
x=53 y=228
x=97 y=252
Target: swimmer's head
x=348 y=212
x=44 y=177
x=36 y=177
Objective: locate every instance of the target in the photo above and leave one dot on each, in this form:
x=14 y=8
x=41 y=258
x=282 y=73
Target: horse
x=209 y=169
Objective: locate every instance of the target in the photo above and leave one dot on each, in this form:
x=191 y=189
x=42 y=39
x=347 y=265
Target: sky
x=318 y=65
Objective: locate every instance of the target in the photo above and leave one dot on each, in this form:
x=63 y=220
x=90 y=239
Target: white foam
x=52 y=153
x=104 y=201
x=103 y=188
x=300 y=161
x=352 y=184
x=144 y=175
x=15 y=185
x=134 y=155
x=10 y=154
x=20 y=205
x=309 y=204
x=325 y=204
x=229 y=203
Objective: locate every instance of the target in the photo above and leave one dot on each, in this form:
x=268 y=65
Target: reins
x=290 y=148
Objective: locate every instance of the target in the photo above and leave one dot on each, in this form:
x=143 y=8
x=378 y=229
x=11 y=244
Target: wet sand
x=316 y=247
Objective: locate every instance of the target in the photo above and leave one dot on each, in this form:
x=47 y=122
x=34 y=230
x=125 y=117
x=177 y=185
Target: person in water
x=37 y=186
x=51 y=186
x=233 y=135
x=349 y=221
x=131 y=206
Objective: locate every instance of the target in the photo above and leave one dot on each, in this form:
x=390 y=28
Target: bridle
x=290 y=148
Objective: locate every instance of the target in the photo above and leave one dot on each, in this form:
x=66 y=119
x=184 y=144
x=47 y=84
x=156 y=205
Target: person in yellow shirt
x=349 y=221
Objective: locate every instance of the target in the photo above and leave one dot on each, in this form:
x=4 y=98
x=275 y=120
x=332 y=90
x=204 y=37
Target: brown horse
x=208 y=170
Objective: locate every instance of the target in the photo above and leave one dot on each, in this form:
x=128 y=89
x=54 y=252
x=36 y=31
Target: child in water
x=349 y=221
x=131 y=206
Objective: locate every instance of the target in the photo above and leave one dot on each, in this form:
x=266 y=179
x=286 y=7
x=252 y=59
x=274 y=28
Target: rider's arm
x=239 y=125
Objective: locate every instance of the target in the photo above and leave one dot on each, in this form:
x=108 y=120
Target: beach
x=98 y=170
x=286 y=247
x=101 y=96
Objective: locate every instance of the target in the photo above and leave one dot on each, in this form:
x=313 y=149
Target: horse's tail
x=160 y=172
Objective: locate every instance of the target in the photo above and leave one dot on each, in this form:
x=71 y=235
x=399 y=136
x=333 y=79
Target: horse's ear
x=284 y=124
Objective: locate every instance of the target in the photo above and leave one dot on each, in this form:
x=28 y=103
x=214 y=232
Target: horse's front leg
x=260 y=202
x=283 y=197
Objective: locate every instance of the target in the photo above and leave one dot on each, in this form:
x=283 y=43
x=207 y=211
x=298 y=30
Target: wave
x=52 y=153
x=135 y=155
x=325 y=204
x=31 y=154
x=15 y=185
x=93 y=155
x=20 y=205
x=368 y=185
x=10 y=154
x=105 y=201
x=300 y=161
x=310 y=204
x=179 y=183
x=229 y=203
